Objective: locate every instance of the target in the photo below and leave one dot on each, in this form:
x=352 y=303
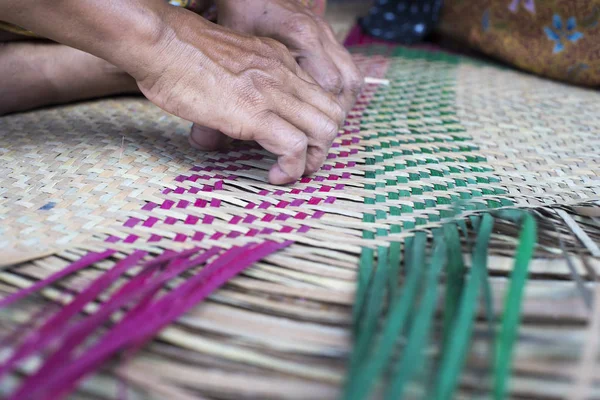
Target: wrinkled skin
x=272 y=72
x=314 y=46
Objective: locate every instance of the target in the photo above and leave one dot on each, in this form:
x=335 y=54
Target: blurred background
x=342 y=14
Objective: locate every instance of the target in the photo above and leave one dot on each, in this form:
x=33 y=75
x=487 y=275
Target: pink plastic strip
x=135 y=288
x=85 y=261
x=57 y=382
x=53 y=327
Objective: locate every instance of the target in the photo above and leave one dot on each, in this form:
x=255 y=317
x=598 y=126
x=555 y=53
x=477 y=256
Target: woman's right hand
x=249 y=88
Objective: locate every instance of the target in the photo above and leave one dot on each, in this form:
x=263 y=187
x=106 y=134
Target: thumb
x=207 y=139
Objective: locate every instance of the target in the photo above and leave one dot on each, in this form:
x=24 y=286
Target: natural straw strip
x=420 y=162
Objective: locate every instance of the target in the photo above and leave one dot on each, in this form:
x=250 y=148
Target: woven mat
x=119 y=174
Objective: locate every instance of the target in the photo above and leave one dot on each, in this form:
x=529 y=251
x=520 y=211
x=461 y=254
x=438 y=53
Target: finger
x=320 y=66
x=313 y=94
x=287 y=142
x=307 y=88
x=320 y=54
x=313 y=59
x=207 y=139
x=315 y=158
x=352 y=79
x=319 y=128
x=316 y=113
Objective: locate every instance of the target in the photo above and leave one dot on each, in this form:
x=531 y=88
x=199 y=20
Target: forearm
x=122 y=32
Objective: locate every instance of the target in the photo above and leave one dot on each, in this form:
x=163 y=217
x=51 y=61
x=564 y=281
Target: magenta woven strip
x=58 y=382
x=85 y=261
x=47 y=338
x=130 y=239
x=77 y=344
x=142 y=284
x=54 y=326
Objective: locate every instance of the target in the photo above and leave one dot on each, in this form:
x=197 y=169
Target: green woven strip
x=365 y=269
x=412 y=358
x=454 y=279
x=361 y=380
x=424 y=171
x=373 y=309
x=512 y=307
x=453 y=359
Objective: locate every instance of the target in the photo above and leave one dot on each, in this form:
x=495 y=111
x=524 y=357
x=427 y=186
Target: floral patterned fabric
x=559 y=39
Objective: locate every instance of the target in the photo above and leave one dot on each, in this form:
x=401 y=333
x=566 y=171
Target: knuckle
x=255 y=42
x=275 y=46
x=330 y=130
x=253 y=59
x=251 y=93
x=290 y=62
x=276 y=64
x=313 y=167
x=298 y=144
x=333 y=83
x=258 y=80
x=287 y=61
x=303 y=25
x=340 y=114
x=279 y=64
x=356 y=82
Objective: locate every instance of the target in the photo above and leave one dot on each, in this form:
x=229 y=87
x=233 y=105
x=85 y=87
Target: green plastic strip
x=512 y=307
x=359 y=384
x=372 y=311
x=454 y=358
x=414 y=351
x=455 y=276
x=365 y=269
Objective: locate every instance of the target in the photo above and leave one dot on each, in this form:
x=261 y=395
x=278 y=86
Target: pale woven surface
x=72 y=173
x=281 y=329
x=540 y=136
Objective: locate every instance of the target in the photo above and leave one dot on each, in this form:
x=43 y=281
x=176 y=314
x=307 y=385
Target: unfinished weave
x=105 y=207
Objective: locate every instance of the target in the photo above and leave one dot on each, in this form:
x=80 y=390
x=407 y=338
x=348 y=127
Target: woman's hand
x=307 y=36
x=247 y=87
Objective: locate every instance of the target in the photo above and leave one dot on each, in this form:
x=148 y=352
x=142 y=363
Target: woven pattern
x=122 y=168
x=127 y=172
x=119 y=175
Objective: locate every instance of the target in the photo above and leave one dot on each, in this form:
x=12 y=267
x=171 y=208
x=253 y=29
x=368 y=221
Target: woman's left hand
x=308 y=37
